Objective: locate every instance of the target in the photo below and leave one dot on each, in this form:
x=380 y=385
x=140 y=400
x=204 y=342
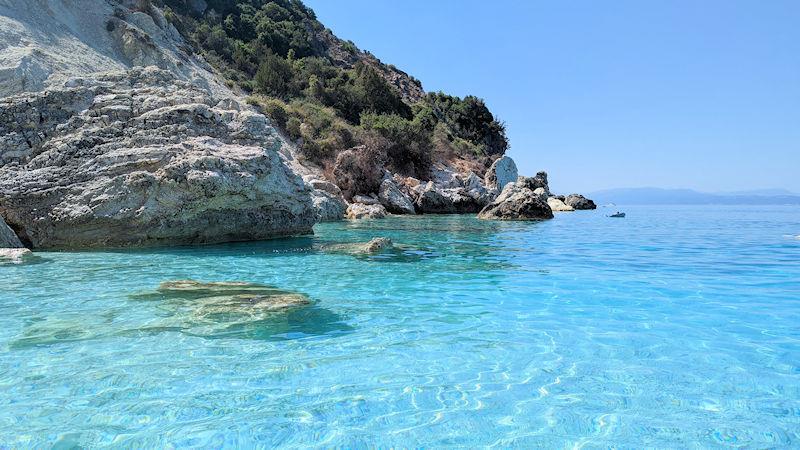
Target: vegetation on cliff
x=326 y=93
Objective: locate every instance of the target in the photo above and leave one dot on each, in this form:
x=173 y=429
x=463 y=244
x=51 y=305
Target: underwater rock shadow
x=206 y=310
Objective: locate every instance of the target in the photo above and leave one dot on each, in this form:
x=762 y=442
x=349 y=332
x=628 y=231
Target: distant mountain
x=658 y=196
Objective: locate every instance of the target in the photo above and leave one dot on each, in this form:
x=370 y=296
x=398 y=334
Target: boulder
x=502 y=171
x=578 y=201
x=558 y=205
x=434 y=200
x=394 y=199
x=329 y=208
x=141 y=158
x=517 y=202
x=8 y=239
x=537 y=182
x=362 y=211
x=14 y=255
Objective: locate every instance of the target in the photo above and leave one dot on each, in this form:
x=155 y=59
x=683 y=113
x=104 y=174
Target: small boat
x=618 y=214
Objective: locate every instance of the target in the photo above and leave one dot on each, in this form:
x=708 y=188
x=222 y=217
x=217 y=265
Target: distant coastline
x=658 y=196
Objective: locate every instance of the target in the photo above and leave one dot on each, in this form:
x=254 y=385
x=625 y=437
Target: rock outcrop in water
x=14 y=255
x=518 y=201
x=578 y=201
x=142 y=158
x=375 y=245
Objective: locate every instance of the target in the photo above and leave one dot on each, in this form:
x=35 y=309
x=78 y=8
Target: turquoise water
x=674 y=327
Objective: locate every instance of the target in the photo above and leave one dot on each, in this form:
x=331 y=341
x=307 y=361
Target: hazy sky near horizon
x=681 y=93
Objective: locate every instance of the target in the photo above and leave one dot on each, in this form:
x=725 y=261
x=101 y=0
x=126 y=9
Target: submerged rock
x=142 y=158
x=502 y=171
x=375 y=245
x=362 y=211
x=517 y=202
x=557 y=204
x=231 y=297
x=578 y=201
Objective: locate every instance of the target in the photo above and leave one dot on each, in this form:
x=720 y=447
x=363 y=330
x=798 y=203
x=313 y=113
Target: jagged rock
x=434 y=200
x=445 y=177
x=393 y=199
x=537 y=182
x=558 y=205
x=578 y=201
x=329 y=207
x=142 y=158
x=542 y=193
x=517 y=202
x=8 y=239
x=501 y=172
x=362 y=211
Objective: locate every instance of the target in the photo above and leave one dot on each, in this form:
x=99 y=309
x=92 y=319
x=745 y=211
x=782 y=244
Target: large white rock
x=142 y=158
x=557 y=205
x=501 y=172
x=518 y=202
x=45 y=42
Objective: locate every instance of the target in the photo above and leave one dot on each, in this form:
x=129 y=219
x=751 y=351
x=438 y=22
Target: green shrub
x=293 y=127
x=276 y=111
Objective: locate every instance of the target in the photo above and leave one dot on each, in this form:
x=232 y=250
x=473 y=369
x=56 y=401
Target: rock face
x=8 y=239
x=393 y=199
x=502 y=172
x=578 y=201
x=517 y=202
x=362 y=211
x=142 y=158
x=557 y=205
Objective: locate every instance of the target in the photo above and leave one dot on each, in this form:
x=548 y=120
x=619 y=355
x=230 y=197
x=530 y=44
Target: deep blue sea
x=676 y=327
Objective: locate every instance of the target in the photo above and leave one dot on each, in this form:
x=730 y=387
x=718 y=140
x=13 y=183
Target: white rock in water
x=557 y=205
x=14 y=255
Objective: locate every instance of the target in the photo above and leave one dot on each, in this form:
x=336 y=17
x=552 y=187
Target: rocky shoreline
x=151 y=149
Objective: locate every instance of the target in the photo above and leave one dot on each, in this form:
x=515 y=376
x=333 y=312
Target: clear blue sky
x=626 y=93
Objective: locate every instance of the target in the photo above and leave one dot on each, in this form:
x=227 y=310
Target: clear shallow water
x=674 y=327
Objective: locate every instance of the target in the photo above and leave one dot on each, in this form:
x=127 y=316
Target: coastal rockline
x=137 y=141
